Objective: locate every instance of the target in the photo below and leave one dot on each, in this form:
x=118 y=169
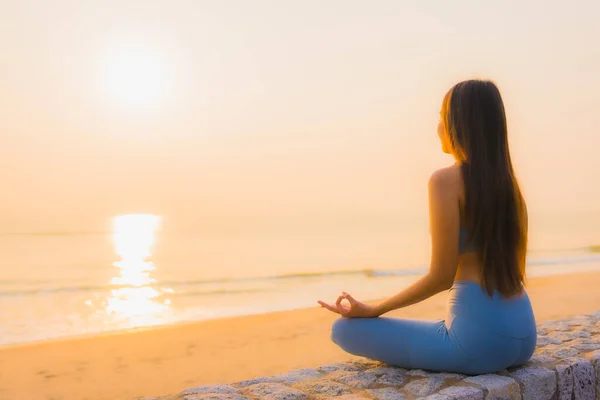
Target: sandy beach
x=167 y=360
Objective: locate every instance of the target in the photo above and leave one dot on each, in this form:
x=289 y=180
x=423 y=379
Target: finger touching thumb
x=349 y=298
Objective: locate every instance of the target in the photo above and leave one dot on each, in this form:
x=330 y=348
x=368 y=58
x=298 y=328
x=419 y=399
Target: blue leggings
x=481 y=334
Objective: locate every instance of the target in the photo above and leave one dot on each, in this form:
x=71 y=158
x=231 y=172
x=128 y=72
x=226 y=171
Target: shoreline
x=546 y=271
x=168 y=359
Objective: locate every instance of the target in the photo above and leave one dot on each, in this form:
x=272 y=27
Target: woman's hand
x=356 y=309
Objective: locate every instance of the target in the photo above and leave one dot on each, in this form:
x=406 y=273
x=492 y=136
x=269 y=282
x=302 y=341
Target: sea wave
x=257 y=284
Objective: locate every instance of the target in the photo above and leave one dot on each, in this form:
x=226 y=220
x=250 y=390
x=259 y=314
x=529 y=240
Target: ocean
x=142 y=274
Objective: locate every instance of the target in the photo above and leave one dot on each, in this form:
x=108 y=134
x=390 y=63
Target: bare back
x=469 y=266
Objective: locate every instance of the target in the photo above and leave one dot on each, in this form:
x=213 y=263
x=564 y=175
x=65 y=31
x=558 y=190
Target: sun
x=134 y=78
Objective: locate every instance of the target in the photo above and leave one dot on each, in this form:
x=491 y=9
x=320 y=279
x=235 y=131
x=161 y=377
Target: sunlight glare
x=134 y=235
x=135 y=301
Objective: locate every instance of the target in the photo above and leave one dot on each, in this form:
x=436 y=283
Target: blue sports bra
x=463 y=236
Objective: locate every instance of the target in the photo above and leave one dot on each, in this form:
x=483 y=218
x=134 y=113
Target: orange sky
x=191 y=108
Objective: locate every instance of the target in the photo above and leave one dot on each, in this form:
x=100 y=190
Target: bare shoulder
x=448 y=179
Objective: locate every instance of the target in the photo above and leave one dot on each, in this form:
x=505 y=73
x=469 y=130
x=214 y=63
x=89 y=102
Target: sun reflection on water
x=135 y=302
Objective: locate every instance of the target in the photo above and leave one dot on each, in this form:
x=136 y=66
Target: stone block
x=537 y=383
x=497 y=387
x=425 y=386
x=275 y=391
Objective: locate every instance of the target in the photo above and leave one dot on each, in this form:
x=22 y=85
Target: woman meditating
x=478 y=222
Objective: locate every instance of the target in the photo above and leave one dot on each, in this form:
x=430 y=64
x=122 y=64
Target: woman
x=478 y=222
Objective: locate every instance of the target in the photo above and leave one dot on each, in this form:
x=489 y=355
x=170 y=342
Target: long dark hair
x=494 y=211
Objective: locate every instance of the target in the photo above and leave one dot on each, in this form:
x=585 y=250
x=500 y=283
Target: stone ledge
x=565 y=366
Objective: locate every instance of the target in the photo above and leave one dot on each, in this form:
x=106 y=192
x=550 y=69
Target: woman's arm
x=444 y=218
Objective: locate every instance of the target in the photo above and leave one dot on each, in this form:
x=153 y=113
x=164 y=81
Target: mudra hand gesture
x=355 y=309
